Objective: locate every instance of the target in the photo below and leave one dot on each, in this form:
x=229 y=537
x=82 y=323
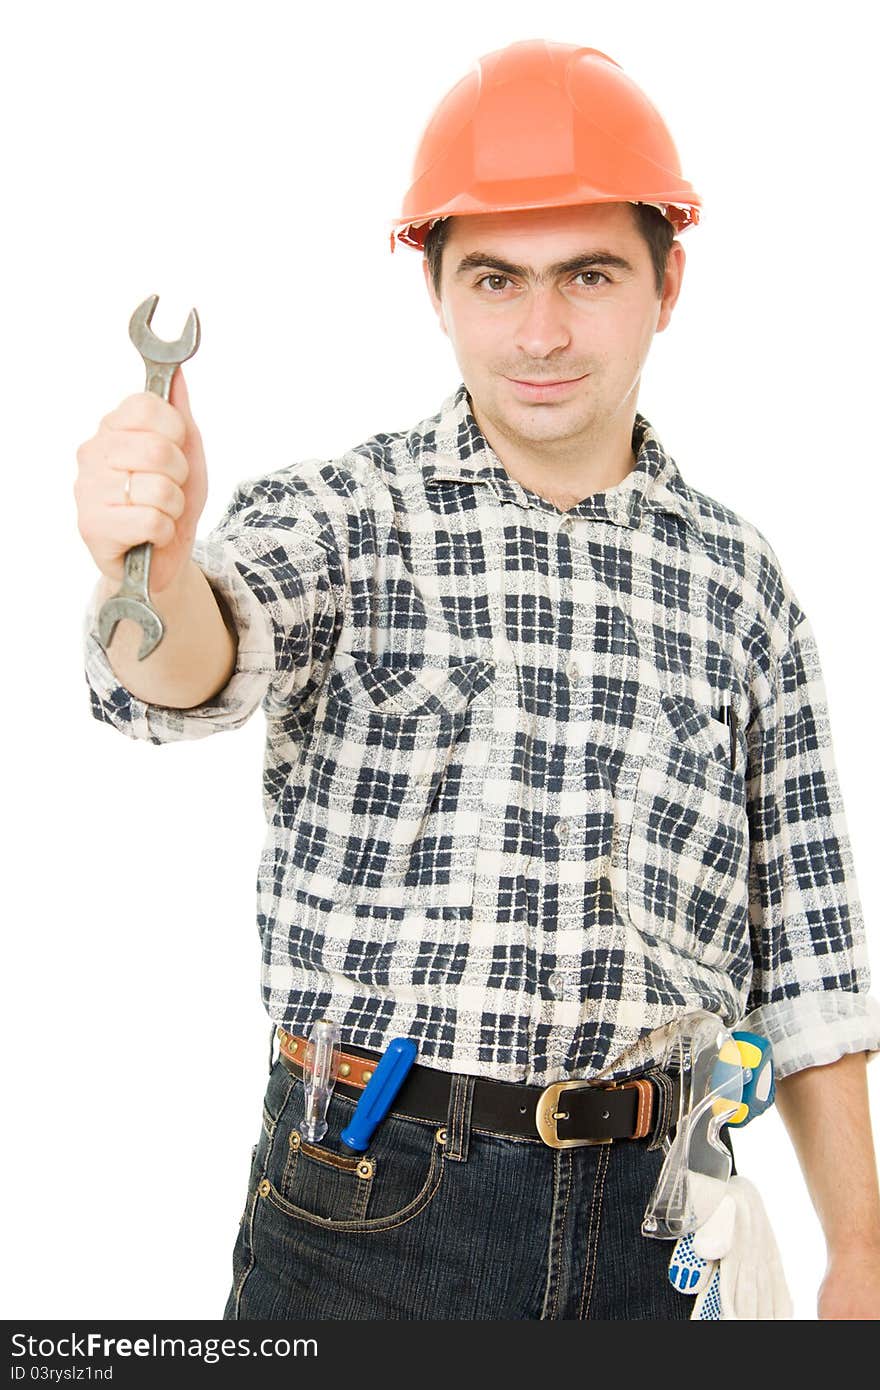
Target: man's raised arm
x=142 y=477
x=252 y=612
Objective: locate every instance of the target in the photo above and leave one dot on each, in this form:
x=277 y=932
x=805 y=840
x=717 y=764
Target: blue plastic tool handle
x=379 y=1092
x=759 y=1092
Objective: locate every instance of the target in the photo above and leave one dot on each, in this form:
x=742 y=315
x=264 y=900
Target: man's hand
x=851 y=1288
x=159 y=444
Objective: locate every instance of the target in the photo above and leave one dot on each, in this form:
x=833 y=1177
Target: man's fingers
x=126 y=452
x=145 y=490
x=131 y=526
x=145 y=452
x=134 y=525
x=147 y=411
x=141 y=477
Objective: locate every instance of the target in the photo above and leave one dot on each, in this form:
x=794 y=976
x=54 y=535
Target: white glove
x=731 y=1260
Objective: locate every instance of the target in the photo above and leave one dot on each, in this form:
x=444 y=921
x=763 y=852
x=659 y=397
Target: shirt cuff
x=815 y=1029
x=254 y=667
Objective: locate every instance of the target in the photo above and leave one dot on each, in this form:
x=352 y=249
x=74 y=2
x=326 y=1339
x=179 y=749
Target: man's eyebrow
x=478 y=260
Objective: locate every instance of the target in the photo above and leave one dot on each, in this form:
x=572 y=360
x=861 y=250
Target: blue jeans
x=443 y=1222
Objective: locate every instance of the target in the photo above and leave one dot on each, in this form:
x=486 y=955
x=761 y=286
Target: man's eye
x=484 y=278
x=592 y=272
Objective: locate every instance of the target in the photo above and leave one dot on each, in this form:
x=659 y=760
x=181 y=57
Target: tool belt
x=563 y=1115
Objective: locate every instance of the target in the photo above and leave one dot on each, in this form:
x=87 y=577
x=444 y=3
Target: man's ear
x=671 y=284
x=438 y=306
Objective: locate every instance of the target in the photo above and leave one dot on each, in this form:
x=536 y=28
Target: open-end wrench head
x=154 y=349
x=148 y=620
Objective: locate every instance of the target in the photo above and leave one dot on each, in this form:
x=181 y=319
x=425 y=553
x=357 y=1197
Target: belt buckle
x=547 y=1112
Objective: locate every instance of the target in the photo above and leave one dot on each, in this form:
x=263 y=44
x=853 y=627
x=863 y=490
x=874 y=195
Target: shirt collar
x=451 y=447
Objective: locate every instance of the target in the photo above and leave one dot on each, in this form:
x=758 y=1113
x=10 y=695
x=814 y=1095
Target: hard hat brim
x=414 y=232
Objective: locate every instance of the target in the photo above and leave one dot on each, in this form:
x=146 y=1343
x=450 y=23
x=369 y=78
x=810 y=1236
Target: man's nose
x=543 y=324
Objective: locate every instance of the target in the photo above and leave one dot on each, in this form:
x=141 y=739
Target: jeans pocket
x=325 y=1185
x=328 y=1184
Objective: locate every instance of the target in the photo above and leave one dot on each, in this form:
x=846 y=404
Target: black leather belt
x=565 y=1114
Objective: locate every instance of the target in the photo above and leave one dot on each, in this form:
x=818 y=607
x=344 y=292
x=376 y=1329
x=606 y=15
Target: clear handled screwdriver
x=320 y=1067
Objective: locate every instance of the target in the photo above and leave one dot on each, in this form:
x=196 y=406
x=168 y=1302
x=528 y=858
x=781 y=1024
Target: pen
x=728 y=717
x=379 y=1092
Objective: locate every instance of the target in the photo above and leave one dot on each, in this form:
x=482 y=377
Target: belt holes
x=606 y=1114
x=523 y=1109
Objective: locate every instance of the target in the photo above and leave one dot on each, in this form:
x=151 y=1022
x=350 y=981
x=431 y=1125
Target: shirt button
x=566 y=525
x=556 y=983
x=563 y=829
x=574 y=672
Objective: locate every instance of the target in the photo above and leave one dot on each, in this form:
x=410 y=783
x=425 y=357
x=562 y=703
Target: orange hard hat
x=540 y=125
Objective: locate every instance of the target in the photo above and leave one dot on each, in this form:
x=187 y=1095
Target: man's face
x=515 y=313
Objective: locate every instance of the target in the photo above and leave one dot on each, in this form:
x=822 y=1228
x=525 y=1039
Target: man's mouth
x=537 y=390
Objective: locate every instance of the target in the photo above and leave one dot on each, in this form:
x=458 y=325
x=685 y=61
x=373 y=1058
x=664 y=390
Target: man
x=548 y=762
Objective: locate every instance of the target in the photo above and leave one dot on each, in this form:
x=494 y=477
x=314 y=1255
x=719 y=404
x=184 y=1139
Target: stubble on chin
x=537 y=424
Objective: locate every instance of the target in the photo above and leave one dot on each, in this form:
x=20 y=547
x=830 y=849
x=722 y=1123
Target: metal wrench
x=161 y=360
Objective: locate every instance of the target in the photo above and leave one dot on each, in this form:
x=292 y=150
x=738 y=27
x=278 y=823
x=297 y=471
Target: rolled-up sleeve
x=273 y=563
x=809 y=990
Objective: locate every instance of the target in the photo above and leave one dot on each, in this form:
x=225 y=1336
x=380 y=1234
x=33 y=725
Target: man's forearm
x=826 y=1112
x=197 y=654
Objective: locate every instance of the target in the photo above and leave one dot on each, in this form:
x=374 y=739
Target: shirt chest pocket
x=687 y=858
x=392 y=806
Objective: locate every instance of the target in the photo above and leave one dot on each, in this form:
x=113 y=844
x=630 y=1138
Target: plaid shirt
x=535 y=782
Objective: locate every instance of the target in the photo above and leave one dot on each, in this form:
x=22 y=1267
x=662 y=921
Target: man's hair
x=656 y=230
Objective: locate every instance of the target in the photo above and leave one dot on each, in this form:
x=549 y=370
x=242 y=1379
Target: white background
x=248 y=160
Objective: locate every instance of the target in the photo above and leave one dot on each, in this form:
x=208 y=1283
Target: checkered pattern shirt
x=535 y=782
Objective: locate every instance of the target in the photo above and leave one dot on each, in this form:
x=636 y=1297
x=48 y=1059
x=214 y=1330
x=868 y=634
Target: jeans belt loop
x=458 y=1121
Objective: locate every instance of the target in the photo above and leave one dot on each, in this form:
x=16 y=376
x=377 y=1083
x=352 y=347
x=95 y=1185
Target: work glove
x=730 y=1261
